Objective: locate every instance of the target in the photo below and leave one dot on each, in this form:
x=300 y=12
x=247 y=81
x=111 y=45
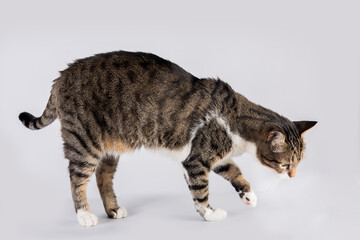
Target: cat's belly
x=178 y=155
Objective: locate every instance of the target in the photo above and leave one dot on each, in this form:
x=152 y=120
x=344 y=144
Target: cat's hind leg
x=230 y=171
x=83 y=160
x=104 y=178
x=81 y=171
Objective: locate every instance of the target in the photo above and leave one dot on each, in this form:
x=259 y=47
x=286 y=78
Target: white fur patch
x=121 y=213
x=215 y=215
x=239 y=144
x=208 y=117
x=249 y=199
x=283 y=175
x=86 y=218
x=178 y=155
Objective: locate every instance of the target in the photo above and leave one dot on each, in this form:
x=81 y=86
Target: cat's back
x=122 y=73
x=135 y=67
x=124 y=76
x=140 y=96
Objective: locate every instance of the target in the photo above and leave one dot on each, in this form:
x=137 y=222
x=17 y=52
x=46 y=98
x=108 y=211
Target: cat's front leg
x=230 y=171
x=196 y=176
x=210 y=143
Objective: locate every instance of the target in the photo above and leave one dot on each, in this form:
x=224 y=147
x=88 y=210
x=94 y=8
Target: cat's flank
x=117 y=102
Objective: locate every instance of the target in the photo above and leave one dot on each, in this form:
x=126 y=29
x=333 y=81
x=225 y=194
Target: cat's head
x=283 y=148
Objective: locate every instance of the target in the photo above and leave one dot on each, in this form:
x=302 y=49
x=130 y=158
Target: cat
x=116 y=102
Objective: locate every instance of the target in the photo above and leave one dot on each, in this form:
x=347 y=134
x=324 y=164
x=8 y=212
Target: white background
x=299 y=58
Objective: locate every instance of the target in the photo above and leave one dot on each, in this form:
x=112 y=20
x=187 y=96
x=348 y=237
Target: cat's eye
x=285 y=166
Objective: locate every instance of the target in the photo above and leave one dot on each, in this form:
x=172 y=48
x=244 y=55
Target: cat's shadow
x=159 y=206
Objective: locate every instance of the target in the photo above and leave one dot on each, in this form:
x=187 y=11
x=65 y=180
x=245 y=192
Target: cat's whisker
x=271 y=184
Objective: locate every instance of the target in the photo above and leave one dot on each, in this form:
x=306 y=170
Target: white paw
x=249 y=198
x=215 y=215
x=119 y=213
x=86 y=218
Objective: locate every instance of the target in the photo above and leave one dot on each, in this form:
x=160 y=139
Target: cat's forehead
x=297 y=148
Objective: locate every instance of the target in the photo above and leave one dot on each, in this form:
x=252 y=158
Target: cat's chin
x=283 y=175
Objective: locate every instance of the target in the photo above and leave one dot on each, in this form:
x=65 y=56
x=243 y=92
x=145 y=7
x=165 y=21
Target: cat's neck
x=252 y=121
x=245 y=118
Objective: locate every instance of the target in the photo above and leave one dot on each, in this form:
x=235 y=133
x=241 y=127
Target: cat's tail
x=48 y=116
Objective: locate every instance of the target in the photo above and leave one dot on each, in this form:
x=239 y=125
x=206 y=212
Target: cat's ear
x=277 y=141
x=303 y=126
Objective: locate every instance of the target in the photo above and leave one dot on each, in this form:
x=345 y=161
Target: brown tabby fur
x=120 y=101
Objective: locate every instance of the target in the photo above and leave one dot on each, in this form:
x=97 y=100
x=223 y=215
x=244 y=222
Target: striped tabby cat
x=117 y=102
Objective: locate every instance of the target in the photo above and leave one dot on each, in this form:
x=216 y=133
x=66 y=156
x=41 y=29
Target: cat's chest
x=240 y=146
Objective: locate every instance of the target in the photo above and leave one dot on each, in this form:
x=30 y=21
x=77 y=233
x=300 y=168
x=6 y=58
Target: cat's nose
x=292 y=172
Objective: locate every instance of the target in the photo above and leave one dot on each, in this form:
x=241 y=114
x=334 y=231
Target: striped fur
x=117 y=102
x=48 y=116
